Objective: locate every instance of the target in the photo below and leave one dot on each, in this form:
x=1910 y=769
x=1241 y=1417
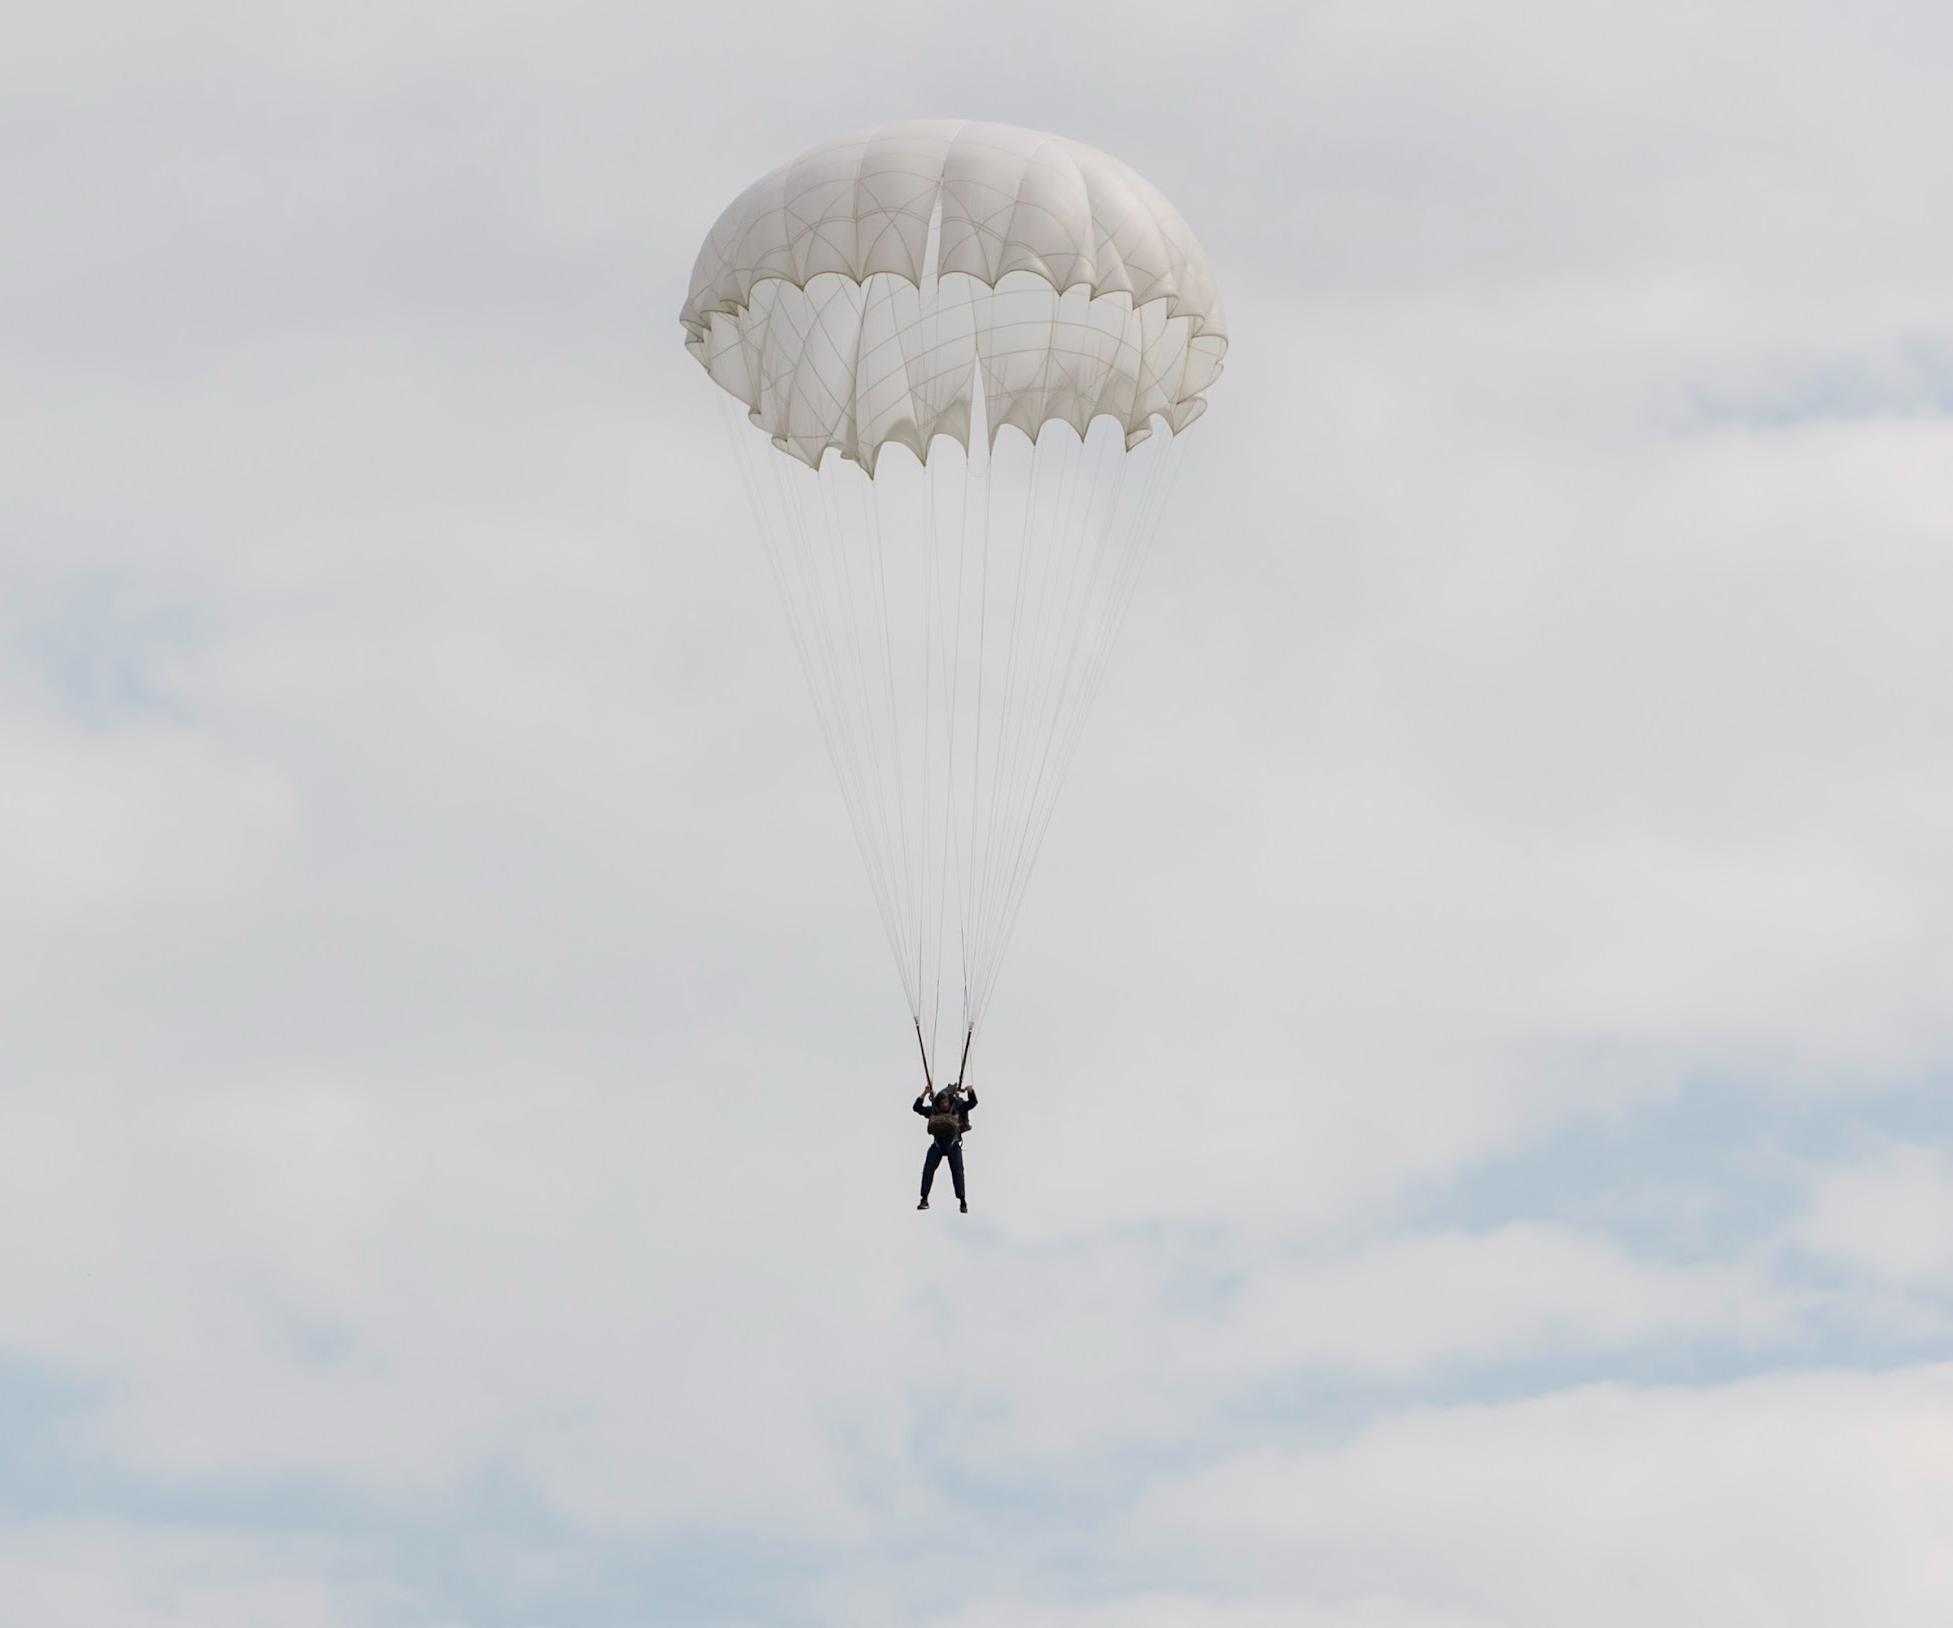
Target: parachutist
x=948 y=1114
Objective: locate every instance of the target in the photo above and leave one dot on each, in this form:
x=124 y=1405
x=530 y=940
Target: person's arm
x=969 y=1098
x=921 y=1106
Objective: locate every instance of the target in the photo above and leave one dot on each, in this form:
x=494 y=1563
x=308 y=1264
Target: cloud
x=155 y=1576
x=1189 y=1611
x=450 y=1058
x=1889 y=1215
x=1803 y=1499
x=1404 y=1305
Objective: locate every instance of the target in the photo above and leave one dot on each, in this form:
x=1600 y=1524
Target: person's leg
x=930 y=1160
x=956 y=1169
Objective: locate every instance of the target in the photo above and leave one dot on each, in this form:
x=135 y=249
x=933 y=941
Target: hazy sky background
x=1466 y=1140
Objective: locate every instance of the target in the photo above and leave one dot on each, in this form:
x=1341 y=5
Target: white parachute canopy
x=884 y=308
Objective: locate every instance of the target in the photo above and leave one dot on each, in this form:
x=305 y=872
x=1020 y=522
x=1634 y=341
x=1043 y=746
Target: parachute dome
x=866 y=292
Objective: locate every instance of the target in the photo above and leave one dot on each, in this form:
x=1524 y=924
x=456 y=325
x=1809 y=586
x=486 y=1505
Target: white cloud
x=446 y=1036
x=1889 y=1215
x=1190 y=1611
x=1804 y=1500
x=111 y=1575
x=396 y=1287
x=1402 y=1306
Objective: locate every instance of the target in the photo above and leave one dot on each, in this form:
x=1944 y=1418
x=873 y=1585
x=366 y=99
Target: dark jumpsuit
x=941 y=1148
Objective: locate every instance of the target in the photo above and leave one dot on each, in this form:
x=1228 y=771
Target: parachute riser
x=962 y=1064
x=922 y=1047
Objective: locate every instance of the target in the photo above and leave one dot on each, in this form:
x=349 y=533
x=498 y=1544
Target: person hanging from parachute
x=948 y=1113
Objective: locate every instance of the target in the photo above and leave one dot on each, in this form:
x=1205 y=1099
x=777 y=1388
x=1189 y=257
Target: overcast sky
x=1466 y=1140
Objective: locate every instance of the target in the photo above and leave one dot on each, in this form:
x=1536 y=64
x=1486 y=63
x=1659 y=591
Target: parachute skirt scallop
x=954 y=615
x=858 y=366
